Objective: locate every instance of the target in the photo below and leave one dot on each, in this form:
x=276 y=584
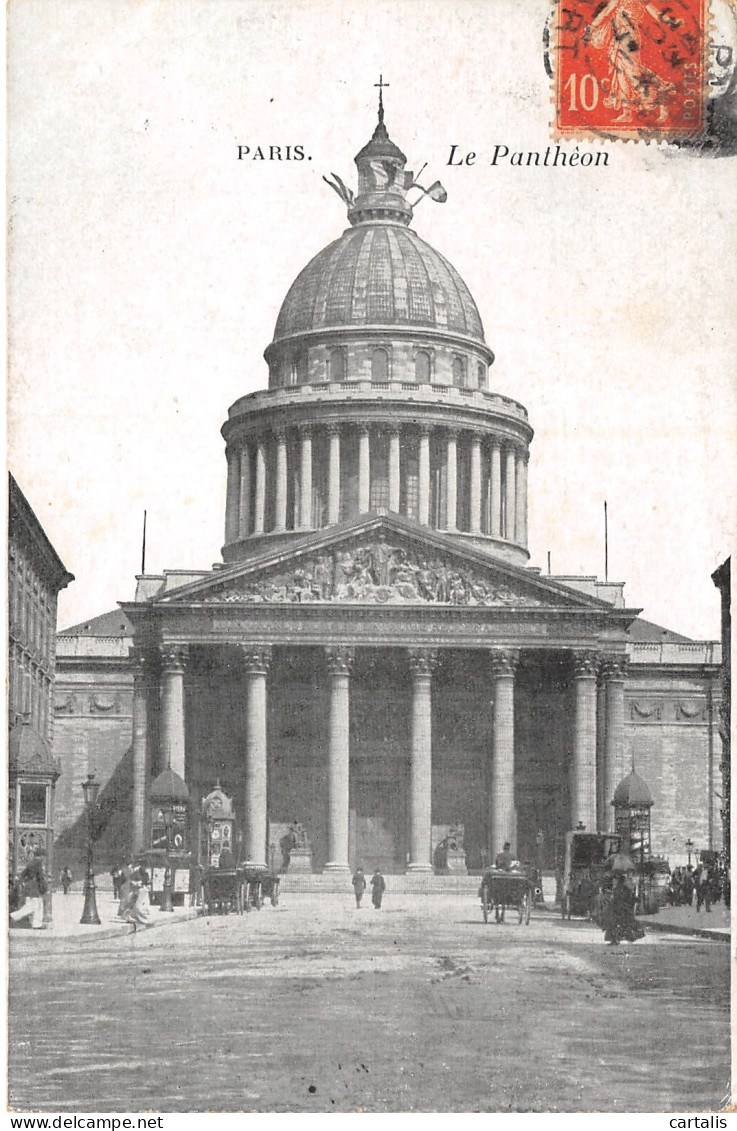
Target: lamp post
x=689 y=850
x=166 y=895
x=90 y=789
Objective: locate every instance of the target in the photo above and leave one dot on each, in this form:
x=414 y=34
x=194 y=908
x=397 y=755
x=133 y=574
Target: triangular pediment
x=382 y=560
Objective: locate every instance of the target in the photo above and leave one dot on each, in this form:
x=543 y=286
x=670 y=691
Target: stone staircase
x=409 y=884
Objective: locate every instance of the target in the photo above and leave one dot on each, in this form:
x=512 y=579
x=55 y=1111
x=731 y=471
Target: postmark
x=629 y=68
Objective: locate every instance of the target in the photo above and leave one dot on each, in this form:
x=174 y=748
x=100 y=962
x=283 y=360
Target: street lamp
x=90 y=789
x=689 y=850
x=166 y=895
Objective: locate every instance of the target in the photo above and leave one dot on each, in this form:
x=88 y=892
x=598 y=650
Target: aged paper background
x=148 y=263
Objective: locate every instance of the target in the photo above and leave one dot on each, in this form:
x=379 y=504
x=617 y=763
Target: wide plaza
x=316 y=1006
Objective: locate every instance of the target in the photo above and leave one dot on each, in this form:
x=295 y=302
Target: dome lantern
x=382 y=179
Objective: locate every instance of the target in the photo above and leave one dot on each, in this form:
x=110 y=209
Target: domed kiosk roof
x=633 y=793
x=379 y=274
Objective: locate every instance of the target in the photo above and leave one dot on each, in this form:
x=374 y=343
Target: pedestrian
x=117 y=877
x=378 y=887
x=359 y=885
x=66 y=879
x=134 y=905
x=618 y=919
x=702 y=882
x=34 y=887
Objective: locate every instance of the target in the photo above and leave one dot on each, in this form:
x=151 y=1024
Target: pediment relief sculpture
x=376 y=573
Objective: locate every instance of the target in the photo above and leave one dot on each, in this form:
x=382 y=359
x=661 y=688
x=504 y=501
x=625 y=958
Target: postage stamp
x=629 y=68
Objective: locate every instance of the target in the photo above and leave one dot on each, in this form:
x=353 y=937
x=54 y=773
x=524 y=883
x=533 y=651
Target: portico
x=332 y=685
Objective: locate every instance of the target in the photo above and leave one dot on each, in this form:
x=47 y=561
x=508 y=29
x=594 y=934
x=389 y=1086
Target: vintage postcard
x=372 y=426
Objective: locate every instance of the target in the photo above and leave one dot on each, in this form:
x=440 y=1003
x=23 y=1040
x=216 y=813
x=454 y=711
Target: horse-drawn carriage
x=590 y=862
x=501 y=889
x=237 y=890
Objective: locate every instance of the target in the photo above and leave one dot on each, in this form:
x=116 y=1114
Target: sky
x=148 y=264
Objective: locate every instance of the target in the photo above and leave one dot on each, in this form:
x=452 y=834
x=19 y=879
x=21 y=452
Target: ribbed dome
x=632 y=792
x=379 y=274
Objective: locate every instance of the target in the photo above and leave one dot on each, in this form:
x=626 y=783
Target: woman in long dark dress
x=619 y=921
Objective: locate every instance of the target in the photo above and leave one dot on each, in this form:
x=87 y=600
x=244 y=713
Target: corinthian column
x=364 y=470
x=281 y=481
x=231 y=498
x=173 y=662
x=259 y=509
x=475 y=484
x=451 y=480
x=340 y=662
x=520 y=518
x=244 y=506
x=333 y=474
x=422 y=663
x=305 y=477
x=614 y=673
x=424 y=475
x=142 y=677
x=394 y=470
x=502 y=817
x=256 y=662
x=495 y=490
x=583 y=798
x=510 y=477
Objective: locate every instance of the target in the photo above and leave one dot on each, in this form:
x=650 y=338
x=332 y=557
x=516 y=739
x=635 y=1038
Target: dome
x=632 y=793
x=379 y=274
x=168 y=786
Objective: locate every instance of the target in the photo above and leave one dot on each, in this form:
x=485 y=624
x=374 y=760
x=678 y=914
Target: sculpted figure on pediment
x=375 y=573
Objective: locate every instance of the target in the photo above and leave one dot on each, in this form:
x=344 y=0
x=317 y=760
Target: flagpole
x=143 y=546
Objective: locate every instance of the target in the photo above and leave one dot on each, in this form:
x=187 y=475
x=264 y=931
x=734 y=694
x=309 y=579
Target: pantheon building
x=375 y=657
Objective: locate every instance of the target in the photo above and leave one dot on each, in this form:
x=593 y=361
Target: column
x=340 y=662
x=305 y=478
x=173 y=663
x=495 y=490
x=583 y=792
x=333 y=475
x=364 y=470
x=256 y=660
x=614 y=672
x=244 y=506
x=502 y=817
x=231 y=498
x=280 y=522
x=424 y=475
x=509 y=492
x=475 y=484
x=394 y=471
x=259 y=509
x=141 y=685
x=422 y=662
x=451 y=480
x=520 y=518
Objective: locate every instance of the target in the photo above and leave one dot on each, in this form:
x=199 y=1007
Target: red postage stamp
x=629 y=68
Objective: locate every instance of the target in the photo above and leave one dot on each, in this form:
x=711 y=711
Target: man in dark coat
x=34 y=886
x=359 y=885
x=378 y=887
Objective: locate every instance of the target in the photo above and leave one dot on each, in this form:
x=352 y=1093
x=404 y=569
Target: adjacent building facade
x=375 y=658
x=36 y=575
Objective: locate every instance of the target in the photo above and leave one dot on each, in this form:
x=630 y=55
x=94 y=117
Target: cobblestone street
x=314 y=1006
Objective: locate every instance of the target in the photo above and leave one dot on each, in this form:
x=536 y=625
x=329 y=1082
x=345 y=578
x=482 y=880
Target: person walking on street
x=359 y=885
x=66 y=879
x=378 y=887
x=34 y=887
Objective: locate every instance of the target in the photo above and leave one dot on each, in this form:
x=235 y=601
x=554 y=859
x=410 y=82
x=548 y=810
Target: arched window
x=422 y=367
x=459 y=372
x=483 y=375
x=336 y=365
x=380 y=365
